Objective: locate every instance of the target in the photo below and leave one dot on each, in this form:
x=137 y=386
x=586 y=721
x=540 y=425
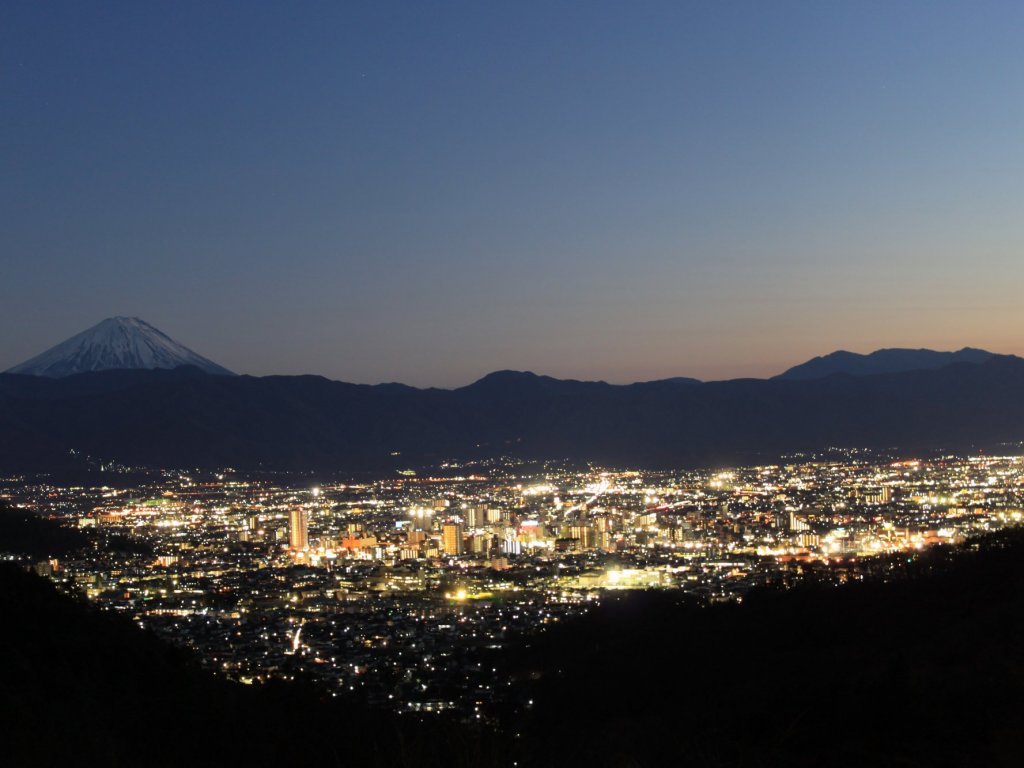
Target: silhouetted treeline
x=26 y=533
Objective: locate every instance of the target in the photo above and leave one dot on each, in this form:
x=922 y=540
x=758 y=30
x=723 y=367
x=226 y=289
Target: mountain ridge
x=130 y=343
x=886 y=360
x=186 y=418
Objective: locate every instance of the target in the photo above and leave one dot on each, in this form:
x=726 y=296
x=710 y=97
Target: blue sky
x=426 y=192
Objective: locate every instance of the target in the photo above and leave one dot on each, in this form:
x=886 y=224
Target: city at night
x=512 y=384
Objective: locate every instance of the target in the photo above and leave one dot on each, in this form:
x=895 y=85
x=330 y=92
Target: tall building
x=475 y=516
x=798 y=523
x=451 y=538
x=584 y=534
x=298 y=528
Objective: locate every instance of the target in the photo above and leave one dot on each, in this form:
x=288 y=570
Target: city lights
x=392 y=586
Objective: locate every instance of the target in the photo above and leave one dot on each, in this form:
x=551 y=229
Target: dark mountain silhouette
x=924 y=670
x=882 y=361
x=83 y=687
x=185 y=418
x=919 y=666
x=87 y=687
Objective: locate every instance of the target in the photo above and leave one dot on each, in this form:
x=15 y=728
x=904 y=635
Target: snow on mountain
x=115 y=343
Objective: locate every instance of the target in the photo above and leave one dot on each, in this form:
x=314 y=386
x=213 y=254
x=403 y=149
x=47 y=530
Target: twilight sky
x=426 y=192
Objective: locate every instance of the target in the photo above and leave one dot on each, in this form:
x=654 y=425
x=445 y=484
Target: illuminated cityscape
x=533 y=385
x=404 y=591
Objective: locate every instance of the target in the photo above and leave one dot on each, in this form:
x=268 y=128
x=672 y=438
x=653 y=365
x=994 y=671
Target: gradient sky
x=426 y=192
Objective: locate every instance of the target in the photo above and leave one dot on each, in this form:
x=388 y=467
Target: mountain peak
x=892 y=360
x=116 y=343
x=507 y=375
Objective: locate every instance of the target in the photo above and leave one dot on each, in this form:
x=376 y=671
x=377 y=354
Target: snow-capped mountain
x=115 y=343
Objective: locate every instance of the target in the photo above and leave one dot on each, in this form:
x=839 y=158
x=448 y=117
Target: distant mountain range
x=125 y=391
x=882 y=361
x=129 y=343
x=187 y=418
x=117 y=343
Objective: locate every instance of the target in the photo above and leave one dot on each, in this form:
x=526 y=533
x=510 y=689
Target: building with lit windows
x=298 y=529
x=451 y=539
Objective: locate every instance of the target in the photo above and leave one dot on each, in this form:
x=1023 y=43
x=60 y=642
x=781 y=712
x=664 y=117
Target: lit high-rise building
x=475 y=516
x=298 y=528
x=798 y=523
x=451 y=538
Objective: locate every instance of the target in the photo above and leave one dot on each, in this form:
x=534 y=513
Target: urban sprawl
x=404 y=591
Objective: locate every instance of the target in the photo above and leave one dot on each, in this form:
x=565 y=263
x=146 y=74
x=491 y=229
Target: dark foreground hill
x=81 y=687
x=184 y=418
x=926 y=670
x=86 y=687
